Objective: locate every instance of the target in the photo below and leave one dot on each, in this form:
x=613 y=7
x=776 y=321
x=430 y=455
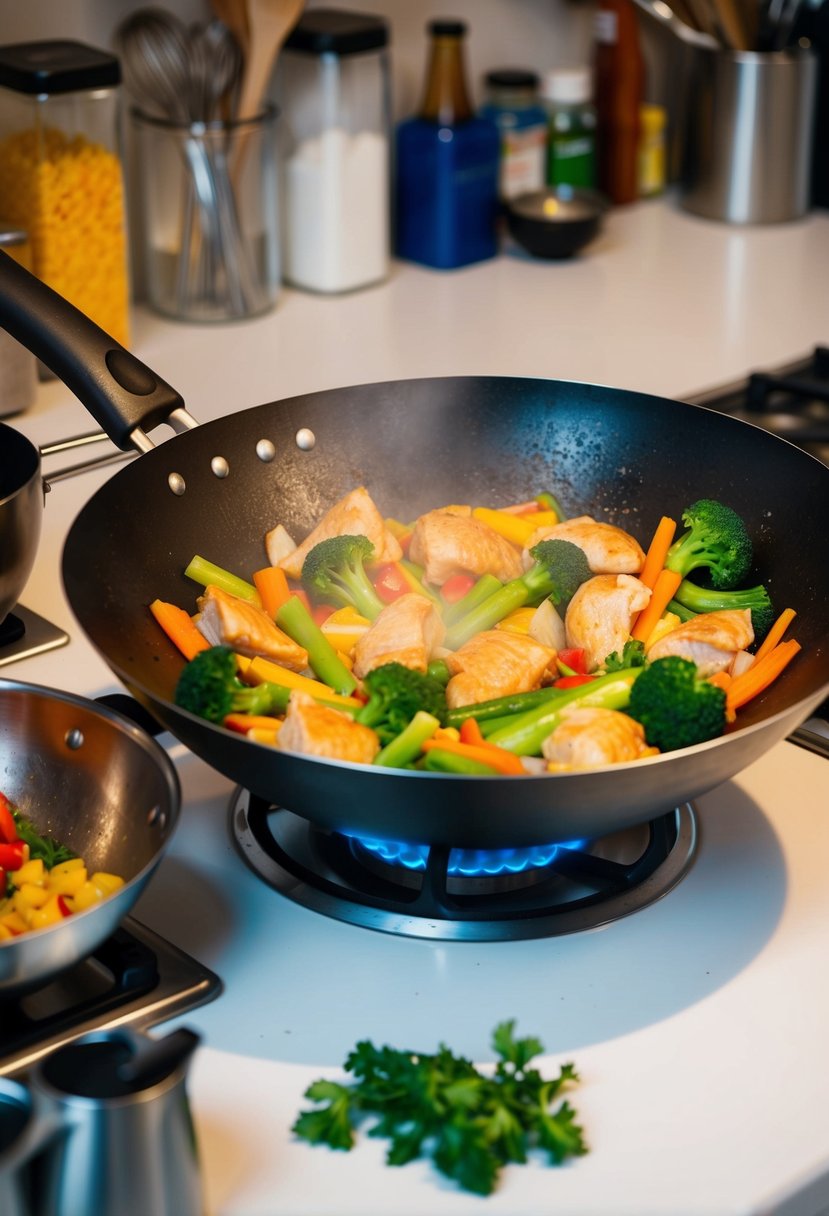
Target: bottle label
x=572 y=161
x=522 y=160
x=606 y=26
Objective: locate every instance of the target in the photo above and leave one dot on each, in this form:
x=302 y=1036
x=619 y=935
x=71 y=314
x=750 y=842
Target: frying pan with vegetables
x=215 y=489
x=92 y=781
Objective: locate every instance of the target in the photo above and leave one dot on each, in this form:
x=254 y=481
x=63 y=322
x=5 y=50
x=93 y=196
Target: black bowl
x=555 y=222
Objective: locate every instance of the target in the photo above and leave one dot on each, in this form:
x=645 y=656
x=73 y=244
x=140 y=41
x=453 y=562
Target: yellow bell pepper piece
x=518 y=621
x=344 y=628
x=28 y=896
x=107 y=883
x=259 y=669
x=67 y=882
x=665 y=624
x=260 y=735
x=5 y=932
x=397 y=529
x=49 y=914
x=33 y=872
x=14 y=921
x=86 y=896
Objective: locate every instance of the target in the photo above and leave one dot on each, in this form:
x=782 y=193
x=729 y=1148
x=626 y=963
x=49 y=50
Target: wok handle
x=124 y=396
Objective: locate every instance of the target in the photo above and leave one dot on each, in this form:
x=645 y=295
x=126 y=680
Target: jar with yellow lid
x=652 y=152
x=60 y=172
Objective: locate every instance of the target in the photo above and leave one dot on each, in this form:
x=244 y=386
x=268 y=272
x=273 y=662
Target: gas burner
x=135 y=978
x=23 y=633
x=463 y=895
x=791 y=401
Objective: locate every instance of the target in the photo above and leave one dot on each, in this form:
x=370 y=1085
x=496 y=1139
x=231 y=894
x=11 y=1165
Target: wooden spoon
x=234 y=14
x=269 y=23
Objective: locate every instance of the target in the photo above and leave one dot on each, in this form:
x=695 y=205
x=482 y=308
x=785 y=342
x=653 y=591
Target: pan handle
x=123 y=395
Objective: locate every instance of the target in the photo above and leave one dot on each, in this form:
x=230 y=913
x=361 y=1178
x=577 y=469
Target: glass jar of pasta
x=60 y=172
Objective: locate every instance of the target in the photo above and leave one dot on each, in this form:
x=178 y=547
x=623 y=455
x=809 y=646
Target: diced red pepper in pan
x=572 y=657
x=321 y=612
x=8 y=828
x=3 y=883
x=456 y=587
x=389 y=582
x=13 y=854
x=64 y=906
x=573 y=681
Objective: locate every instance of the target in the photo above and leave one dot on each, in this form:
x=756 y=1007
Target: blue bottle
x=447 y=167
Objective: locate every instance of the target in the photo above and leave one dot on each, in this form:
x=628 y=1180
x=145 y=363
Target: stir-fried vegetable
x=469 y=674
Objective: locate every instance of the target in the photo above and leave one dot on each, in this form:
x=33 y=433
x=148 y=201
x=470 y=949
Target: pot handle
x=124 y=396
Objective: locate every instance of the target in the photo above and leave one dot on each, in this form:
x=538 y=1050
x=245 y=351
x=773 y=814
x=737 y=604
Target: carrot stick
x=499 y=758
x=272 y=585
x=664 y=588
x=179 y=628
x=658 y=550
x=775 y=634
x=245 y=722
x=760 y=674
x=721 y=679
x=470 y=732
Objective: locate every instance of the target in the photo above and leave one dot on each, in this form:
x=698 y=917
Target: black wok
x=625 y=457
x=99 y=784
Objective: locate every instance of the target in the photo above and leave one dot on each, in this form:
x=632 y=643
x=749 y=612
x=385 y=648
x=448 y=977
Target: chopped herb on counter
x=471 y=1124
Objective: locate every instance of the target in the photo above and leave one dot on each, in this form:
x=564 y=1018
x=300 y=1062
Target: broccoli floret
x=558 y=570
x=333 y=572
x=633 y=655
x=700 y=599
x=396 y=694
x=676 y=707
x=716 y=540
x=209 y=686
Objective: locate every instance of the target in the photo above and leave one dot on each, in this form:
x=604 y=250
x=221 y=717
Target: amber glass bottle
x=619 y=92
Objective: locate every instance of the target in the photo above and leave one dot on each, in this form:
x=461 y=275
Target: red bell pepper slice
x=390 y=583
x=573 y=681
x=13 y=855
x=65 y=910
x=8 y=828
x=456 y=587
x=3 y=883
x=573 y=658
x=321 y=612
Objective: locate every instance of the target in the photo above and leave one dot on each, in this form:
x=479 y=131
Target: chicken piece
x=586 y=738
x=600 y=615
x=608 y=549
x=447 y=542
x=320 y=730
x=407 y=631
x=495 y=663
x=226 y=620
x=710 y=640
x=354 y=515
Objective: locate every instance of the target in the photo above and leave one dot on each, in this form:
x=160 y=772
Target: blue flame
x=467 y=862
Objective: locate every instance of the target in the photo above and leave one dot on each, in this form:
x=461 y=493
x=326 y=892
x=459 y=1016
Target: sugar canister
x=334 y=103
x=60 y=172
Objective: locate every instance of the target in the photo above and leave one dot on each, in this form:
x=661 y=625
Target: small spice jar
x=512 y=102
x=652 y=155
x=60 y=172
x=571 y=157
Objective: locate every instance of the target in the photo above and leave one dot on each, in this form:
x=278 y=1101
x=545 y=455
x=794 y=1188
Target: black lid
x=447 y=29
x=57 y=67
x=512 y=78
x=335 y=31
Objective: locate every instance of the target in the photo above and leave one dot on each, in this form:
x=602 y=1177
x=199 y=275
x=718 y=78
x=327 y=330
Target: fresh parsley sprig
x=46 y=847
x=440 y=1106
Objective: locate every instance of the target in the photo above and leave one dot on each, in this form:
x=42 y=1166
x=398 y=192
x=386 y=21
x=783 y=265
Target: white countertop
x=699 y=1024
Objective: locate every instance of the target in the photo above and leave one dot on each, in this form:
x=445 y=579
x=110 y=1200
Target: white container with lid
x=334 y=99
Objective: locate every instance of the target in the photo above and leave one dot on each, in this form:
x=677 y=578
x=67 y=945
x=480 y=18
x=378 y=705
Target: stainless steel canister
x=748 y=135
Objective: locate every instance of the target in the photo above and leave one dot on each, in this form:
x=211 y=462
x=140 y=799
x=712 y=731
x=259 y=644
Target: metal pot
x=100 y=785
x=21 y=512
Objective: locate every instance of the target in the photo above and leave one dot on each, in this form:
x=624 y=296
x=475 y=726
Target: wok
x=623 y=456
x=97 y=783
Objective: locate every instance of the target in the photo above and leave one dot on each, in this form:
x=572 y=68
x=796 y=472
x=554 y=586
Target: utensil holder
x=748 y=135
x=208 y=223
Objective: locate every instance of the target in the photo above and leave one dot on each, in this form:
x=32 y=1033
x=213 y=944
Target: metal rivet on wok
x=74 y=739
x=176 y=483
x=219 y=466
x=266 y=451
x=305 y=439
